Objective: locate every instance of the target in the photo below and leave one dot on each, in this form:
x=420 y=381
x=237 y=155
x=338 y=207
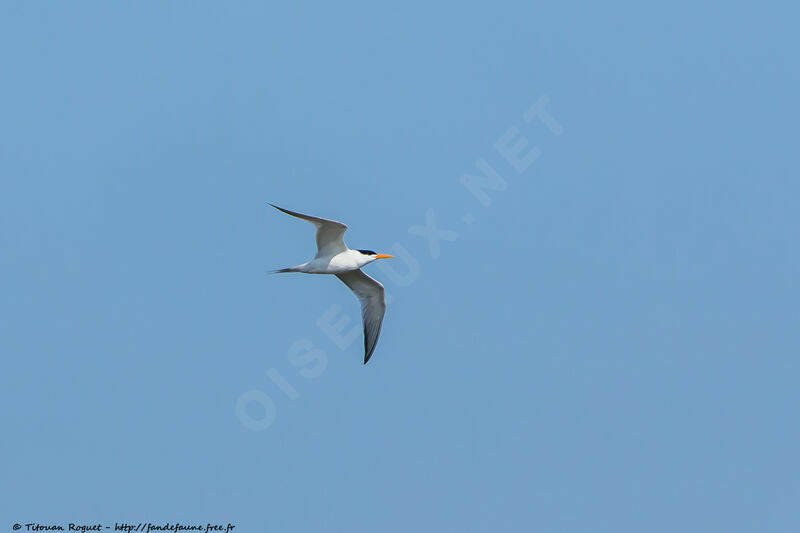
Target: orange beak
x=383 y=256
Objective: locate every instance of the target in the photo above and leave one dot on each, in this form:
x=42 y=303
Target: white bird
x=334 y=257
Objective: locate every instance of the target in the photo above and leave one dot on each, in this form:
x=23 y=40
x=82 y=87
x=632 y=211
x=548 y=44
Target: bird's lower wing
x=373 y=306
x=330 y=234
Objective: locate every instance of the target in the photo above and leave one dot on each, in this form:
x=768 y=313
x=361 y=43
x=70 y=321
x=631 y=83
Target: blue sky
x=609 y=345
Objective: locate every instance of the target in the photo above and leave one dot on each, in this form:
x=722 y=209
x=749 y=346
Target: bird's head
x=370 y=256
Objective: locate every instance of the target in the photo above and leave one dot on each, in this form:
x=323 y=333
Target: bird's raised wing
x=330 y=234
x=373 y=306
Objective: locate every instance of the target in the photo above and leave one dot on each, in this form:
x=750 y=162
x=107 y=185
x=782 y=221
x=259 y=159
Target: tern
x=334 y=257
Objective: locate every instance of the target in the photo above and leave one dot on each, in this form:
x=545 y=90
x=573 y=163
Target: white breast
x=341 y=262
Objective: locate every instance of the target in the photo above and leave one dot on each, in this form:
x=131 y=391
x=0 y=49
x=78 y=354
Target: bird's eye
x=368 y=252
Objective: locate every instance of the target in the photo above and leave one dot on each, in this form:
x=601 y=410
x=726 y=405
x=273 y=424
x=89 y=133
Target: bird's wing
x=330 y=234
x=373 y=306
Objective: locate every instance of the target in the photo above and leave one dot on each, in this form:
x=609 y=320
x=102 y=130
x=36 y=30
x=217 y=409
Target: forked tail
x=282 y=270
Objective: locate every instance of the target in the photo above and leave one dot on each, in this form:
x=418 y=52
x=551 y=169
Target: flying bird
x=334 y=257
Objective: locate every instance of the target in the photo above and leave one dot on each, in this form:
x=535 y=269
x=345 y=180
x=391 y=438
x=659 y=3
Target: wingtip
x=279 y=208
